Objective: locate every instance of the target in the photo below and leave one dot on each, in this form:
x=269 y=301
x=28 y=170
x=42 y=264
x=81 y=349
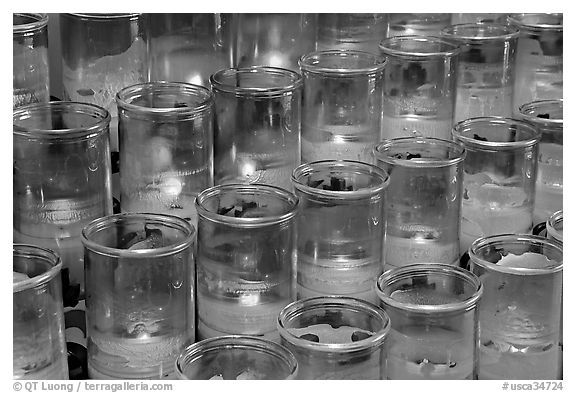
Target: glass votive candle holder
x=434 y=314
x=257 y=125
x=499 y=176
x=30 y=72
x=236 y=357
x=39 y=347
x=61 y=158
x=341 y=119
x=422 y=208
x=340 y=228
x=419 y=86
x=361 y=32
x=336 y=337
x=486 y=69
x=521 y=310
x=555 y=227
x=246 y=259
x=547 y=116
x=166 y=156
x=421 y=24
x=140 y=310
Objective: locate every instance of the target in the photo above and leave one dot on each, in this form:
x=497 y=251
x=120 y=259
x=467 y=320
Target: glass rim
x=288 y=88
x=162 y=219
x=246 y=222
x=460 y=128
x=371 y=170
x=440 y=162
x=524 y=111
x=555 y=218
x=523 y=238
x=299 y=306
x=126 y=96
x=41 y=20
x=304 y=62
x=193 y=351
x=455 y=49
x=395 y=274
x=105 y=16
x=517 y=20
x=100 y=115
x=507 y=32
x=37 y=252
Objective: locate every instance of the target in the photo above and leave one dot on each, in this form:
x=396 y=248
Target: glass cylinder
x=555 y=227
x=139 y=294
x=361 y=32
x=434 y=314
x=31 y=83
x=499 y=176
x=39 y=348
x=342 y=115
x=419 y=87
x=478 y=18
x=547 y=116
x=276 y=40
x=166 y=155
x=416 y=24
x=102 y=54
x=422 y=207
x=340 y=228
x=486 y=69
x=257 y=132
x=520 y=312
x=336 y=337
x=539 y=62
x=62 y=177
x=236 y=357
x=246 y=259
x=188 y=47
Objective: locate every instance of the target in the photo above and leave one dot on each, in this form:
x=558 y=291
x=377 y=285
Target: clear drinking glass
x=434 y=314
x=555 y=227
x=342 y=115
x=336 y=337
x=340 y=228
x=547 y=116
x=188 y=47
x=166 y=155
x=236 y=357
x=499 y=176
x=520 y=312
x=257 y=132
x=361 y=32
x=416 y=24
x=102 y=54
x=139 y=294
x=539 y=62
x=246 y=259
x=419 y=87
x=61 y=163
x=486 y=69
x=39 y=348
x=422 y=206
x=31 y=82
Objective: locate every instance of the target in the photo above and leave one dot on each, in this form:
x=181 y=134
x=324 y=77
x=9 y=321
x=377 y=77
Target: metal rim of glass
x=100 y=116
x=470 y=32
x=37 y=22
x=126 y=97
x=530 y=111
x=552 y=224
x=296 y=308
x=393 y=46
x=357 y=167
x=246 y=222
x=292 y=78
x=541 y=23
x=379 y=152
x=419 y=269
x=105 y=222
x=313 y=62
x=461 y=129
x=35 y=252
x=251 y=343
x=500 y=241
x=105 y=17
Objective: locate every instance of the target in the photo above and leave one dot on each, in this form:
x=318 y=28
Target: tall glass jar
x=351 y=31
x=246 y=259
x=342 y=114
x=62 y=176
x=419 y=86
x=340 y=228
x=257 y=125
x=499 y=176
x=422 y=207
x=420 y=24
x=31 y=80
